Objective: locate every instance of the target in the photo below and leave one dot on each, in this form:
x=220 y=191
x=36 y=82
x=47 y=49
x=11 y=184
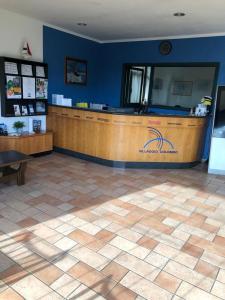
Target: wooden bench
x=9 y=159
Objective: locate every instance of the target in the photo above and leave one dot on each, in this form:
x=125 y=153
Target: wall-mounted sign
x=157 y=144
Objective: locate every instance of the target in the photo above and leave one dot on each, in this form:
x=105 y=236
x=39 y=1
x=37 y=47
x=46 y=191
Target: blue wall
x=114 y=55
x=105 y=63
x=56 y=46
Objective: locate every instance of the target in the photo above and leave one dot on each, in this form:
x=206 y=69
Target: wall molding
x=159 y=38
x=172 y=37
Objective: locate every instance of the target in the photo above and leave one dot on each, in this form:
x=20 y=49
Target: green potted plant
x=18 y=126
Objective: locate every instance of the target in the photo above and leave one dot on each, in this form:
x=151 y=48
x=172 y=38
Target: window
x=137 y=83
x=170 y=85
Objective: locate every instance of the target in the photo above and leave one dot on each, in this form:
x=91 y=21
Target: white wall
x=14 y=30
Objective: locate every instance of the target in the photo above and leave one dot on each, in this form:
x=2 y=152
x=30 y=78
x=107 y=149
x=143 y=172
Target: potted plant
x=18 y=126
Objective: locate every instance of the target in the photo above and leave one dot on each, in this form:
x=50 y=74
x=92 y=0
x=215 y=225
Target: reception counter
x=127 y=140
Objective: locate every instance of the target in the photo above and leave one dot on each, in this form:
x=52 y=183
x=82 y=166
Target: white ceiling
x=111 y=20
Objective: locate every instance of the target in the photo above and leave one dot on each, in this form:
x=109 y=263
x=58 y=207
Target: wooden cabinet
x=28 y=144
x=127 y=138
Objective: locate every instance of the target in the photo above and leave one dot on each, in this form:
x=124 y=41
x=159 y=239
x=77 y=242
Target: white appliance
x=217 y=151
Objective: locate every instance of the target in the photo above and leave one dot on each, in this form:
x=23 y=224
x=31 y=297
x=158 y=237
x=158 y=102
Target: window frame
x=153 y=66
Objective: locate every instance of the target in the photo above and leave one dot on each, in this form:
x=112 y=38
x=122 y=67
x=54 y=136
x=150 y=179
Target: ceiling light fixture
x=82 y=24
x=179 y=14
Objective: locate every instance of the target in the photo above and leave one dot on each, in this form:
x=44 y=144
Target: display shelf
x=23 y=87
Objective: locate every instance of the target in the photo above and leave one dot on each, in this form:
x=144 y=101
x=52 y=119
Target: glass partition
x=169 y=85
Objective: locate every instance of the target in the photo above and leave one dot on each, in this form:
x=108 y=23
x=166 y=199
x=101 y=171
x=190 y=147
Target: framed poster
x=13 y=87
x=41 y=88
x=16 y=108
x=24 y=111
x=40 y=71
x=31 y=109
x=28 y=88
x=75 y=71
x=40 y=107
x=11 y=68
x=26 y=70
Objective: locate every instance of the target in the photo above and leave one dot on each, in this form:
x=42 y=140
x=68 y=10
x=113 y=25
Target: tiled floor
x=78 y=230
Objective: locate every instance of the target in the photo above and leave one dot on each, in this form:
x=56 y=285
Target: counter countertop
x=124 y=113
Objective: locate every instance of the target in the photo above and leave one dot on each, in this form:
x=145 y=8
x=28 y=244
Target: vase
x=19 y=131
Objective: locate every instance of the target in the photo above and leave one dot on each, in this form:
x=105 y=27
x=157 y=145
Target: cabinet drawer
x=103 y=118
x=89 y=116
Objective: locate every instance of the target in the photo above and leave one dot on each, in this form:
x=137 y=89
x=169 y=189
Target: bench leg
x=21 y=174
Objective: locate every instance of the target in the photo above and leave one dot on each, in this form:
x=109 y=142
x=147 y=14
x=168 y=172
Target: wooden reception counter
x=125 y=140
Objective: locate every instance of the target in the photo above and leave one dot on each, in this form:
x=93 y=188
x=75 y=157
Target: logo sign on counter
x=158 y=144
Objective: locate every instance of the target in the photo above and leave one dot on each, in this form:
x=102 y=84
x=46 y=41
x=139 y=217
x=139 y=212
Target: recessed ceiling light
x=82 y=24
x=179 y=14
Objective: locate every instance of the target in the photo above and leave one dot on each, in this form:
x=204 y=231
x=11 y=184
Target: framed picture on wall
x=75 y=71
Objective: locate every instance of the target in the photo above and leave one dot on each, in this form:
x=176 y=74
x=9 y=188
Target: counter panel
x=127 y=138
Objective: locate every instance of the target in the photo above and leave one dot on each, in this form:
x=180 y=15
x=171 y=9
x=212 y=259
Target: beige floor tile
x=65 y=244
x=221 y=276
x=136 y=265
x=89 y=257
x=176 y=255
x=145 y=288
x=65 y=262
x=31 y=288
x=188 y=275
x=90 y=228
x=52 y=296
x=139 y=252
x=65 y=285
x=129 y=235
x=109 y=251
x=219 y=289
x=156 y=260
x=190 y=292
x=84 y=293
x=122 y=243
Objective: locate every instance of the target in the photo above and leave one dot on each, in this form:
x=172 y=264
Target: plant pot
x=19 y=131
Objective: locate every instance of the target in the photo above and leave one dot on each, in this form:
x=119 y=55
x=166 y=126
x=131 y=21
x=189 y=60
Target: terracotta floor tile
x=192 y=250
x=13 y=274
x=206 y=269
x=79 y=270
x=48 y=274
x=120 y=292
x=105 y=235
x=27 y=222
x=96 y=245
x=10 y=294
x=98 y=282
x=147 y=242
x=167 y=282
x=81 y=237
x=115 y=271
x=219 y=240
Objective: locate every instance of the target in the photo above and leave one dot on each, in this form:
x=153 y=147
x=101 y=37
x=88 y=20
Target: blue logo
x=158 y=144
